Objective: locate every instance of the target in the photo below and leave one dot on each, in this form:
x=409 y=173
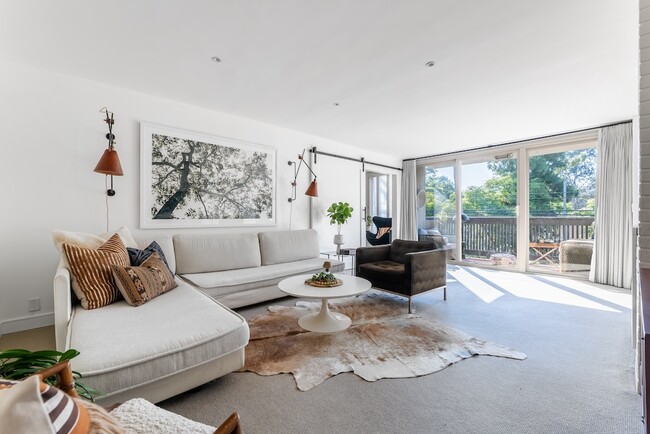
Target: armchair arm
x=230 y=425
x=425 y=270
x=65 y=379
x=371 y=254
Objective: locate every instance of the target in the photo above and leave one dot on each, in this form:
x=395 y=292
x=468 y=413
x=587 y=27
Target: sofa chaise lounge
x=188 y=336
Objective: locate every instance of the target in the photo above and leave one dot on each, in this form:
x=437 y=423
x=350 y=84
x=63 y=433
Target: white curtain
x=612 y=260
x=408 y=228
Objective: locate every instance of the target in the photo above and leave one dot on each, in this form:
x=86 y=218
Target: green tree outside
x=554 y=178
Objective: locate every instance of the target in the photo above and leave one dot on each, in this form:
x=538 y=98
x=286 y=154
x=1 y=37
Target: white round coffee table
x=324 y=321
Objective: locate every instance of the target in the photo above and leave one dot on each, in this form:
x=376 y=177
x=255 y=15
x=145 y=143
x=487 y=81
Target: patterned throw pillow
x=138 y=256
x=33 y=406
x=140 y=284
x=91 y=271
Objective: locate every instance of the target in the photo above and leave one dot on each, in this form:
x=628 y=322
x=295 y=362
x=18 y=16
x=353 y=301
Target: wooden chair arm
x=65 y=378
x=230 y=425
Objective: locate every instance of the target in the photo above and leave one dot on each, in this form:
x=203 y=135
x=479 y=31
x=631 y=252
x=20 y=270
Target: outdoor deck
x=484 y=237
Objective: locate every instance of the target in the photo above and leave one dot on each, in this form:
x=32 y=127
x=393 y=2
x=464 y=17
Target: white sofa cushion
x=123 y=347
x=287 y=246
x=219 y=283
x=201 y=253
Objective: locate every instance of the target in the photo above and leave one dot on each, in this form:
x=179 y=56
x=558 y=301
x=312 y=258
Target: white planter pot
x=338 y=240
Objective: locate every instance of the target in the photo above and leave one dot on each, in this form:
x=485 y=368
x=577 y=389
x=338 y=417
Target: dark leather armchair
x=380 y=222
x=406 y=268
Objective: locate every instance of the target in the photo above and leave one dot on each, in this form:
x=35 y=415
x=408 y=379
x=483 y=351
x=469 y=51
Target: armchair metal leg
x=410 y=304
x=445 y=293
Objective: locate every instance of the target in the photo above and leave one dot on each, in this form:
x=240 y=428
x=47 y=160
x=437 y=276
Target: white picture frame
x=190 y=180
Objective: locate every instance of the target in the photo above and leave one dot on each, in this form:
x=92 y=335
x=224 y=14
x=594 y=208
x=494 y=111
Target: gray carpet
x=578 y=377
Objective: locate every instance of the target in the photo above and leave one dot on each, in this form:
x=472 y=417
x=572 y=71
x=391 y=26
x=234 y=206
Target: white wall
x=349 y=176
x=329 y=171
x=52 y=135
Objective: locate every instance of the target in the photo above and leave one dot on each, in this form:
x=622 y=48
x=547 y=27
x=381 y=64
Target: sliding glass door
x=489 y=211
x=471 y=204
x=561 y=208
x=436 y=202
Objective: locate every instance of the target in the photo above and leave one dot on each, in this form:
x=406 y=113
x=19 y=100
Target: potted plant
x=18 y=364
x=339 y=213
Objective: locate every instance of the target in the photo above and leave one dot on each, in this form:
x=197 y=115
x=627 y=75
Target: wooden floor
x=33 y=340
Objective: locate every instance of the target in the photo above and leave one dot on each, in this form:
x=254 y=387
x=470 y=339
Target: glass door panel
x=489 y=218
x=436 y=203
x=561 y=210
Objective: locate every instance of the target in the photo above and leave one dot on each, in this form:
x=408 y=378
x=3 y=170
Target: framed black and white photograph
x=190 y=179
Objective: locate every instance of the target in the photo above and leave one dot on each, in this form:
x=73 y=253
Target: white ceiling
x=505 y=69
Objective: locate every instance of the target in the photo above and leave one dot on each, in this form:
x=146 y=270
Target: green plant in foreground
x=17 y=364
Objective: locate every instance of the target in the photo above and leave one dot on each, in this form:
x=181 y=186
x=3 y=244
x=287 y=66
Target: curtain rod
x=361 y=160
x=521 y=141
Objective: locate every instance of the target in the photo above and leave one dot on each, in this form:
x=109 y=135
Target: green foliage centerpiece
x=324 y=280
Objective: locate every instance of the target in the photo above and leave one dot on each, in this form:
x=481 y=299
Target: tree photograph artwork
x=198 y=180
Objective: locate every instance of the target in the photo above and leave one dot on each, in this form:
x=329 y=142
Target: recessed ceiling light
x=216 y=59
x=430 y=63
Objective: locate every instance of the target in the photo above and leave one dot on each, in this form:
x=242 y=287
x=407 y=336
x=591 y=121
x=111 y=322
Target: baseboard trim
x=26 y=323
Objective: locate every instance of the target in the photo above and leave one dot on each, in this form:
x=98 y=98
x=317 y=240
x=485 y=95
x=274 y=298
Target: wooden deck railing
x=483 y=236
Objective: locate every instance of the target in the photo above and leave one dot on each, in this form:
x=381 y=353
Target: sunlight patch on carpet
x=526 y=286
x=383 y=342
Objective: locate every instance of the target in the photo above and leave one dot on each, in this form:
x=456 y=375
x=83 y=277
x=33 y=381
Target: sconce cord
x=290 y=213
x=106 y=198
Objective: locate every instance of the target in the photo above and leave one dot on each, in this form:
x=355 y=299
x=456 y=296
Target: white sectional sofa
x=188 y=336
x=243 y=269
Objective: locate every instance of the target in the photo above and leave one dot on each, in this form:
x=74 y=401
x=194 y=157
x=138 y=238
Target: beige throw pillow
x=140 y=284
x=92 y=279
x=125 y=235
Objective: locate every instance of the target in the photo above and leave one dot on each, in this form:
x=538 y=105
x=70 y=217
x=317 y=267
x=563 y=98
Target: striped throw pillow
x=33 y=406
x=91 y=271
x=140 y=284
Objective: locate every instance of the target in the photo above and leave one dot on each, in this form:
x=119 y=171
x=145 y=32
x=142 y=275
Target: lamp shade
x=109 y=164
x=313 y=189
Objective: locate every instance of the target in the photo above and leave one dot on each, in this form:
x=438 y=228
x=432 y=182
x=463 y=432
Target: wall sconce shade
x=109 y=164
x=312 y=190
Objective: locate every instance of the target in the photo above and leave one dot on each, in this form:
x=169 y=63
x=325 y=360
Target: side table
x=352 y=252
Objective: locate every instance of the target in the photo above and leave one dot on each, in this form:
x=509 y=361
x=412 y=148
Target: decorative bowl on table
x=324 y=280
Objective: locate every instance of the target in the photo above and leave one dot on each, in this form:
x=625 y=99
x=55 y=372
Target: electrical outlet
x=34 y=304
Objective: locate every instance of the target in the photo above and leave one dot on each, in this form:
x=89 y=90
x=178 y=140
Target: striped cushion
x=140 y=284
x=91 y=271
x=33 y=406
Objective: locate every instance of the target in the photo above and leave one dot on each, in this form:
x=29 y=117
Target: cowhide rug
x=383 y=342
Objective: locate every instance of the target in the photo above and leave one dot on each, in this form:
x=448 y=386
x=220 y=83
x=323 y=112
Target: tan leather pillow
x=91 y=271
x=382 y=231
x=141 y=284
